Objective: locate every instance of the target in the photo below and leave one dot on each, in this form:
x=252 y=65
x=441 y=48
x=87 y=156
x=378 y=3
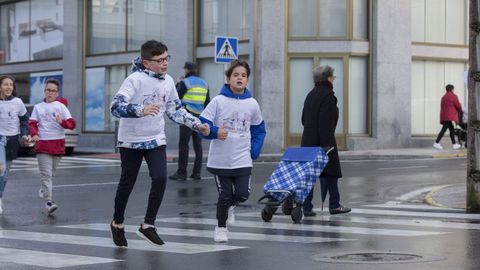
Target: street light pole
x=473 y=140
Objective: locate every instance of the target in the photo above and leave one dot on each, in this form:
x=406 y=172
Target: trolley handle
x=330 y=148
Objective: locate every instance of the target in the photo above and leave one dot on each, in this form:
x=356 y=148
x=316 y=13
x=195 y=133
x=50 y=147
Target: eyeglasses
x=161 y=60
x=51 y=90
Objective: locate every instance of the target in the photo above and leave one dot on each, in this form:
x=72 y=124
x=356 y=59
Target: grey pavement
x=450 y=196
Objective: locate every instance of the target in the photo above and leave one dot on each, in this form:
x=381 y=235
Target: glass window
x=102 y=83
x=440 y=21
x=301 y=83
x=360 y=19
x=358 y=96
x=333 y=18
x=326 y=18
x=429 y=79
x=31 y=30
x=224 y=18
x=107 y=26
x=146 y=21
x=302 y=26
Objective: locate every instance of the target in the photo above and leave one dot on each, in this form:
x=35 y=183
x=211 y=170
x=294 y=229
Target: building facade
x=392 y=58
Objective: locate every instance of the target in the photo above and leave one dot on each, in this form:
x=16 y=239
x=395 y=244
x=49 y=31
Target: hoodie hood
x=138 y=66
x=228 y=93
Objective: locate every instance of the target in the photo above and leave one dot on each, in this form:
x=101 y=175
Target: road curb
x=429 y=198
x=449 y=155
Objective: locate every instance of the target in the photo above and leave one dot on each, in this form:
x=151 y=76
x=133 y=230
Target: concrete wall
x=269 y=65
x=391 y=77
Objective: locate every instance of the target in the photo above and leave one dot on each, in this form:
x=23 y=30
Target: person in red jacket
x=46 y=126
x=449 y=110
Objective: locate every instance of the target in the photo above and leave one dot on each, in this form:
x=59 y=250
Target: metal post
x=473 y=154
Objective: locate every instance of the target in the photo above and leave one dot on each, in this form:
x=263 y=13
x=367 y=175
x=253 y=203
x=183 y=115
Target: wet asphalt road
x=389 y=217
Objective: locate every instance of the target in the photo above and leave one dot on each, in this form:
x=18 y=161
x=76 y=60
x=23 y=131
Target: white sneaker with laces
x=231 y=215
x=1 y=209
x=220 y=234
x=456 y=146
x=438 y=146
x=50 y=207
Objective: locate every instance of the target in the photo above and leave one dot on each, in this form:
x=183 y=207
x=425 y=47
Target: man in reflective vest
x=194 y=93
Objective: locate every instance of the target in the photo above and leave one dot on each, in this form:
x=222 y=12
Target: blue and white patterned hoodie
x=145 y=87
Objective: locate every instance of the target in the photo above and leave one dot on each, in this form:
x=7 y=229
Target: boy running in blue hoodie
x=238 y=142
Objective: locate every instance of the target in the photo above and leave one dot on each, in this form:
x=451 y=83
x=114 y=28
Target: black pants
x=185 y=134
x=332 y=189
x=231 y=191
x=446 y=125
x=157 y=166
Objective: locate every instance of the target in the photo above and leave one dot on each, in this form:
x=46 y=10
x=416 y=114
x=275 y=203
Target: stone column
x=269 y=66
x=391 y=73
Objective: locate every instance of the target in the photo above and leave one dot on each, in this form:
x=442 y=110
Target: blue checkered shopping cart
x=292 y=180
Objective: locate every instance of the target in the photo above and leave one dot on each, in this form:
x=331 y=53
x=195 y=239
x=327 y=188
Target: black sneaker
x=118 y=236
x=309 y=213
x=195 y=177
x=340 y=210
x=50 y=206
x=178 y=176
x=150 y=234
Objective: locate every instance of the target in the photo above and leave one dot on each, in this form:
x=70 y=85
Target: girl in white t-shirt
x=47 y=123
x=240 y=139
x=13 y=122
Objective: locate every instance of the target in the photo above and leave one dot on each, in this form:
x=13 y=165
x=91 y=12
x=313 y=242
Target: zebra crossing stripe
x=94 y=160
x=305 y=227
x=171 y=247
x=378 y=220
x=209 y=234
x=47 y=259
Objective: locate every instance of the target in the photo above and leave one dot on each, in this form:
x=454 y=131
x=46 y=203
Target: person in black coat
x=319 y=119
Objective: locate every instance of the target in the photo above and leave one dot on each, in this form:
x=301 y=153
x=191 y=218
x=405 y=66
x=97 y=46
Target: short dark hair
x=237 y=63
x=54 y=81
x=3 y=77
x=190 y=66
x=449 y=87
x=152 y=48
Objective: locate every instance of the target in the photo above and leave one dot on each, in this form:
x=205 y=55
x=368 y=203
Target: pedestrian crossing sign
x=226 y=49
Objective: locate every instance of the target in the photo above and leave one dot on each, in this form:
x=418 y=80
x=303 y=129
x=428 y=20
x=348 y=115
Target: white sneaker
x=220 y=234
x=438 y=146
x=50 y=207
x=1 y=209
x=231 y=215
x=41 y=194
x=456 y=146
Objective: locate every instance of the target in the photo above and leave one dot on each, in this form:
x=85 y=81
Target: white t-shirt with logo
x=10 y=110
x=236 y=116
x=45 y=113
x=139 y=88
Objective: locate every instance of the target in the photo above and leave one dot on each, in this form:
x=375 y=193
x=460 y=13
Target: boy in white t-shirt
x=240 y=140
x=144 y=97
x=46 y=125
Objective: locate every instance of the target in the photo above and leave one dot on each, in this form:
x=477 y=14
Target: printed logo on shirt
x=239 y=124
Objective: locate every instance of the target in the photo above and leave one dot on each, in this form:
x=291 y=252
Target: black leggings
x=446 y=125
x=231 y=191
x=157 y=166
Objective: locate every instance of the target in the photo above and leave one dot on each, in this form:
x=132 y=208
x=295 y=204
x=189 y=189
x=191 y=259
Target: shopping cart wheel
x=287 y=206
x=267 y=213
x=297 y=214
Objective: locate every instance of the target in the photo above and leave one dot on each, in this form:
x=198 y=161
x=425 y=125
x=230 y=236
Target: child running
x=239 y=141
x=46 y=125
x=144 y=97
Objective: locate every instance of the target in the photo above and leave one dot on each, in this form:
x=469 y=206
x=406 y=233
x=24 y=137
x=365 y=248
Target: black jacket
x=319 y=120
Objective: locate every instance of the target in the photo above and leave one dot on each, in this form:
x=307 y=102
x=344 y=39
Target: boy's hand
x=222 y=134
x=151 y=109
x=35 y=138
x=204 y=129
